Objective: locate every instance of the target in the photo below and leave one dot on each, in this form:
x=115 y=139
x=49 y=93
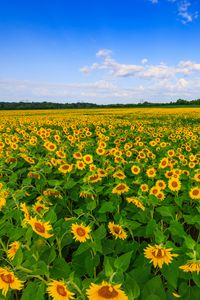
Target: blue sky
x=99 y=51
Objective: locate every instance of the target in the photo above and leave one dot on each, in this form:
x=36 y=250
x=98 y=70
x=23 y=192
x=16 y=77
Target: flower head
x=59 y=291
x=80 y=232
x=9 y=280
x=158 y=255
x=105 y=291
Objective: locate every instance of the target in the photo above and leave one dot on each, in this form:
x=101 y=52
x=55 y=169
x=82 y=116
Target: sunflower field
x=100 y=204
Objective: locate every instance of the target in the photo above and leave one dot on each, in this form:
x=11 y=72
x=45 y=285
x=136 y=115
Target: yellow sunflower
x=161 y=184
x=191 y=267
x=117 y=231
x=136 y=202
x=66 y=168
x=9 y=280
x=144 y=187
x=159 y=255
x=135 y=170
x=59 y=291
x=88 y=159
x=120 y=189
x=80 y=232
x=174 y=184
x=119 y=175
x=40 y=227
x=197 y=177
x=14 y=246
x=105 y=291
x=151 y=172
x=195 y=193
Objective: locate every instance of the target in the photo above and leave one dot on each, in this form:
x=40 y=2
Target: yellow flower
x=174 y=184
x=80 y=165
x=195 y=193
x=135 y=170
x=120 y=189
x=39 y=207
x=161 y=184
x=105 y=291
x=136 y=202
x=191 y=267
x=117 y=231
x=13 y=249
x=24 y=209
x=9 y=280
x=40 y=227
x=88 y=159
x=159 y=255
x=144 y=187
x=66 y=168
x=151 y=172
x=2 y=202
x=59 y=291
x=197 y=177
x=80 y=232
x=119 y=175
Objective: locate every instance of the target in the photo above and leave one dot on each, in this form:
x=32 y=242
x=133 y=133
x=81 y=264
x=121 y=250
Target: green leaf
x=122 y=263
x=106 y=207
x=177 y=229
x=107 y=266
x=18 y=257
x=131 y=287
x=34 y=290
x=51 y=216
x=166 y=211
x=154 y=287
x=60 y=269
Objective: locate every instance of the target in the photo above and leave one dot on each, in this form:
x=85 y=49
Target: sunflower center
x=39 y=227
x=159 y=253
x=120 y=187
x=39 y=208
x=61 y=290
x=7 y=278
x=116 y=229
x=107 y=292
x=174 y=184
x=195 y=192
x=80 y=231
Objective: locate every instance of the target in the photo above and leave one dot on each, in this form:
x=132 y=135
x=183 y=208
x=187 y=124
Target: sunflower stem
x=76 y=288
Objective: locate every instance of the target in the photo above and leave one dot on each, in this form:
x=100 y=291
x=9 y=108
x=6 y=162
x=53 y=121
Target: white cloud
x=184 y=13
x=144 y=61
x=104 y=53
x=144 y=70
x=184 y=10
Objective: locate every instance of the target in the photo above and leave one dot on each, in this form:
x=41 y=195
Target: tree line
x=23 y=105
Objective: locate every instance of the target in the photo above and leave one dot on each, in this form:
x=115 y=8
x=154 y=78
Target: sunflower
x=117 y=231
x=195 y=193
x=144 y=187
x=161 y=184
x=59 y=291
x=160 y=195
x=197 y=177
x=119 y=175
x=80 y=232
x=135 y=170
x=120 y=189
x=2 y=202
x=39 y=207
x=151 y=172
x=191 y=267
x=80 y=165
x=100 y=151
x=9 y=280
x=66 y=168
x=136 y=202
x=86 y=194
x=163 y=163
x=88 y=159
x=77 y=155
x=159 y=255
x=94 y=178
x=14 y=246
x=174 y=184
x=105 y=291
x=154 y=190
x=40 y=227
x=25 y=211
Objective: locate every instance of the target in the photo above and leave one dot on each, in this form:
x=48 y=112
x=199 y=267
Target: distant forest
x=53 y=105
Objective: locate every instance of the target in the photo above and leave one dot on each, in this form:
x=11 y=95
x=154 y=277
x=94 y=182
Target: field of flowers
x=100 y=204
